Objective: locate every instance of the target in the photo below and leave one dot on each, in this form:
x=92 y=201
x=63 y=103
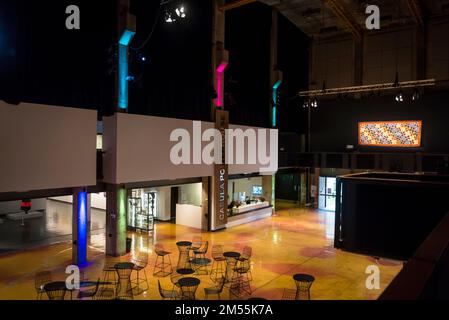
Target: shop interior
x=179 y=204
x=245 y=194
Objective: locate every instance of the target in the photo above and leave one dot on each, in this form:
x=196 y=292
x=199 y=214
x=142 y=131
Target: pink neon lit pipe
x=220 y=79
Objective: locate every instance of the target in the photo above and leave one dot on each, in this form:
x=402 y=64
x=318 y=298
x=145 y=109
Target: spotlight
x=314 y=103
x=416 y=95
x=305 y=104
x=399 y=97
x=180 y=12
x=168 y=17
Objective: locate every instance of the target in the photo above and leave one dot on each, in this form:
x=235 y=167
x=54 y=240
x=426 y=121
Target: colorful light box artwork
x=403 y=134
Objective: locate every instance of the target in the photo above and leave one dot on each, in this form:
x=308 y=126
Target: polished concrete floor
x=54 y=226
x=292 y=241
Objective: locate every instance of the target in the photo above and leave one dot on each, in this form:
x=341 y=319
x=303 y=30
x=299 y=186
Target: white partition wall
x=46 y=147
x=137 y=148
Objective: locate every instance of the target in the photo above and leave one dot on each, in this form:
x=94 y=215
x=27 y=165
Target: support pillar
x=116 y=213
x=219 y=55
x=205 y=207
x=89 y=214
x=80 y=208
x=268 y=186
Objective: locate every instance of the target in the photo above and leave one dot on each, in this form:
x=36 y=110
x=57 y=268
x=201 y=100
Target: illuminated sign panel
x=403 y=134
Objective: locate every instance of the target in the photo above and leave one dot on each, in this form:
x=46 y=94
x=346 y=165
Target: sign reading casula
x=220 y=182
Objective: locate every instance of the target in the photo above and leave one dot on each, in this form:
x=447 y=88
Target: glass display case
x=141 y=210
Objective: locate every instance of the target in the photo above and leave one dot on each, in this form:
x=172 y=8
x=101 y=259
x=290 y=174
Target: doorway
x=174 y=196
x=327 y=193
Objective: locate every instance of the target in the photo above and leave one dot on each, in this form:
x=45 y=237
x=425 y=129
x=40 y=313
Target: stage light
x=399 y=97
x=180 y=12
x=314 y=103
x=416 y=95
x=305 y=104
x=168 y=17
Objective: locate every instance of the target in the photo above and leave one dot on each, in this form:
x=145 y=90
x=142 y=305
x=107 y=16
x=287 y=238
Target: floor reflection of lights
x=293 y=241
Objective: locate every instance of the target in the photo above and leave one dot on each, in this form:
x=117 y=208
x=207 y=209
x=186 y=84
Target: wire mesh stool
x=184 y=257
x=40 y=280
x=200 y=263
x=139 y=266
x=109 y=272
x=241 y=280
x=162 y=268
x=167 y=294
x=197 y=241
x=124 y=289
x=303 y=284
x=218 y=268
x=245 y=260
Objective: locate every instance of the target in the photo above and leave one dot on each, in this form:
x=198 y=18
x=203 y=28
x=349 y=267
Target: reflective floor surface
x=292 y=241
x=54 y=226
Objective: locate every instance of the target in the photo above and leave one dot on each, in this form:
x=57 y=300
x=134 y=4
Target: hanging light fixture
x=306 y=104
x=416 y=95
x=399 y=97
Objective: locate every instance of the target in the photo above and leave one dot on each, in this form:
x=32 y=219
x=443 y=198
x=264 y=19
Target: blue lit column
x=275 y=103
x=122 y=99
x=80 y=226
x=126 y=32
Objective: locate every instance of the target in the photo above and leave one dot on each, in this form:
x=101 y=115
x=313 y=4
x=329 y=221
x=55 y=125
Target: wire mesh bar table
x=184 y=258
x=55 y=290
x=231 y=261
x=188 y=287
x=124 y=289
x=303 y=284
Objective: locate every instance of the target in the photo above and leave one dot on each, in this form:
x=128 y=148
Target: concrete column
x=89 y=214
x=80 y=205
x=205 y=207
x=303 y=188
x=116 y=213
x=218 y=52
x=268 y=187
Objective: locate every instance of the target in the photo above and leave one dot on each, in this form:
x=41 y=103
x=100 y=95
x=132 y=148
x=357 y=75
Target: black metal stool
x=161 y=267
x=303 y=284
x=139 y=266
x=109 y=272
x=218 y=268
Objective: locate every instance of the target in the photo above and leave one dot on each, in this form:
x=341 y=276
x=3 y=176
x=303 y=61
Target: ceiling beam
x=346 y=18
x=415 y=8
x=236 y=4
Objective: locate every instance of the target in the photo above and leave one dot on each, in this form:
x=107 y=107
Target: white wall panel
x=143 y=149
x=46 y=147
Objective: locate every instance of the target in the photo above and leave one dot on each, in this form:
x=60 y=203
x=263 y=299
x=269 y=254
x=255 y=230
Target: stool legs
x=218 y=270
x=161 y=267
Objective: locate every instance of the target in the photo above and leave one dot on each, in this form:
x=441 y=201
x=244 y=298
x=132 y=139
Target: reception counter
x=248 y=213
